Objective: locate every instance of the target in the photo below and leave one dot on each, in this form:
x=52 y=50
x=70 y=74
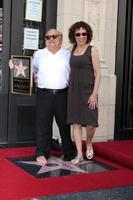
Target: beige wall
x=102 y=16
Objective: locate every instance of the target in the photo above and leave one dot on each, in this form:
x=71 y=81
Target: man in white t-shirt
x=51 y=70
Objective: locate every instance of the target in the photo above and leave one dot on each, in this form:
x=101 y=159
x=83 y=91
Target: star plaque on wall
x=21 y=75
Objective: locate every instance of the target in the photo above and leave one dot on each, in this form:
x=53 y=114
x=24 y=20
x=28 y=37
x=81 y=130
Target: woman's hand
x=10 y=64
x=92 y=102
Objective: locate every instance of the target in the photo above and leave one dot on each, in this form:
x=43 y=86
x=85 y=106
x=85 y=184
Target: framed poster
x=34 y=10
x=21 y=75
x=31 y=38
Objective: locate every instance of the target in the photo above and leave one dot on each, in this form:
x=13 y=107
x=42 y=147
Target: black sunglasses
x=48 y=37
x=79 y=34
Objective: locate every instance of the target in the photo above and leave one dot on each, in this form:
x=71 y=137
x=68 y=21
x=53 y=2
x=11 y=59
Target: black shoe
x=56 y=145
x=41 y=153
x=69 y=158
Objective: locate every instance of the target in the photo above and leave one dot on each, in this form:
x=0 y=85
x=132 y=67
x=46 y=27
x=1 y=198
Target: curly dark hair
x=76 y=26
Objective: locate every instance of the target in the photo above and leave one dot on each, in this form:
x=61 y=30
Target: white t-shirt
x=51 y=70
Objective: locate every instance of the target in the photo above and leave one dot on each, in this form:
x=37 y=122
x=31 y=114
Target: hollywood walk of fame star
x=55 y=163
x=20 y=69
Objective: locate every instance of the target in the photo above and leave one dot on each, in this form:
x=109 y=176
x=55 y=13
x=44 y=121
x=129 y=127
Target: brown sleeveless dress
x=81 y=85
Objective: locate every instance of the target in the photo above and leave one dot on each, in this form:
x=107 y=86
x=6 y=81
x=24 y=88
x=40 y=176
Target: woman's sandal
x=77 y=160
x=89 y=152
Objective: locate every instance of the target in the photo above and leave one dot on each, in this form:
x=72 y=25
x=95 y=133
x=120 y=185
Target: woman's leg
x=90 y=133
x=77 y=133
x=89 y=149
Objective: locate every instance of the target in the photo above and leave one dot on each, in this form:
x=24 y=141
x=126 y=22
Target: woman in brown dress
x=83 y=88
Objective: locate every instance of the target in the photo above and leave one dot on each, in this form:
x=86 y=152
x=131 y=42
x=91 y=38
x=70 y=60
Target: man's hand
x=10 y=64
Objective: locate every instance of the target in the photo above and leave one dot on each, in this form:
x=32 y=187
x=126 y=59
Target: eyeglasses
x=79 y=34
x=48 y=37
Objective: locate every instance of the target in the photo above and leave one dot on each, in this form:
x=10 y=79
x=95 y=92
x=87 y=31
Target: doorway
x=17 y=112
x=124 y=71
